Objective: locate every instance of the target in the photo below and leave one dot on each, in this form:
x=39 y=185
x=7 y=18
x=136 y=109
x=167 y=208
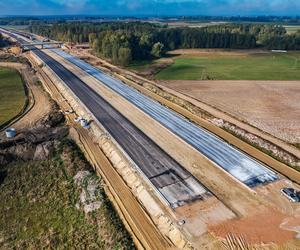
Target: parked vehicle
x=291 y=194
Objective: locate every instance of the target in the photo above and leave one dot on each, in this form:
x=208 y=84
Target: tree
x=157 y=49
x=92 y=38
x=125 y=56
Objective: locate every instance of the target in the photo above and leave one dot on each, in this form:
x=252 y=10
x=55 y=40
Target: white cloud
x=71 y=3
x=171 y=7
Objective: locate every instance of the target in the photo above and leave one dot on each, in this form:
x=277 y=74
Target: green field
x=271 y=66
x=292 y=28
x=141 y=65
x=12 y=94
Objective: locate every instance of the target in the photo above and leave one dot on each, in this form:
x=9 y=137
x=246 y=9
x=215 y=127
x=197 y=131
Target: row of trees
x=268 y=36
x=123 y=46
x=260 y=31
x=124 y=42
x=286 y=42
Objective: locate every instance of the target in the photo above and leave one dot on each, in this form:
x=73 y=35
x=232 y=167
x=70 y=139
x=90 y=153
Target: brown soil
x=271 y=106
x=263 y=226
x=216 y=52
x=213 y=212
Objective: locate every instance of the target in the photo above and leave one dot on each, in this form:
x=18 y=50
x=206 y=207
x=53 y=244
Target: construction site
x=176 y=178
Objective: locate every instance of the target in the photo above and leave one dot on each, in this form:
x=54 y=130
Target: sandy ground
x=272 y=106
x=277 y=223
x=264 y=226
x=213 y=212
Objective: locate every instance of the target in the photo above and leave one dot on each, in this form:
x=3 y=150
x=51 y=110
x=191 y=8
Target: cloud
x=71 y=3
x=152 y=7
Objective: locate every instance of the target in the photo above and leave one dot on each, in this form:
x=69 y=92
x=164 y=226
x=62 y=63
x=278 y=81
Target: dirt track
x=261 y=225
x=38 y=98
x=223 y=52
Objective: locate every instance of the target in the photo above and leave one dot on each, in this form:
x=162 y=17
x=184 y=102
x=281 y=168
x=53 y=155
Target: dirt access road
x=39 y=102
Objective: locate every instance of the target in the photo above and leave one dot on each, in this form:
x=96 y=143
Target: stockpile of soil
x=35 y=143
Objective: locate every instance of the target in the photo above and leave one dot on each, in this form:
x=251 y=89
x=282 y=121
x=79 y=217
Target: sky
x=150 y=7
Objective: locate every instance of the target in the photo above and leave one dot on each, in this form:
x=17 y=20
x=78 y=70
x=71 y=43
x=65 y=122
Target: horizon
x=146 y=15
x=150 y=8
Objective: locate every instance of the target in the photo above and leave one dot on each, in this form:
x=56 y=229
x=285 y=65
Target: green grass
x=12 y=94
x=141 y=65
x=272 y=66
x=38 y=207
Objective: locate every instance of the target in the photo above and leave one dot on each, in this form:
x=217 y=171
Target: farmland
x=264 y=85
x=292 y=28
x=246 y=65
x=12 y=94
x=263 y=104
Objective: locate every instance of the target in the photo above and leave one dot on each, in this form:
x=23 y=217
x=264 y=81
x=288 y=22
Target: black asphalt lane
x=176 y=184
x=156 y=164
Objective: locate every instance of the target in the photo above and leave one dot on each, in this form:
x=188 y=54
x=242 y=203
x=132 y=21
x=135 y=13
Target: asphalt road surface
x=232 y=160
x=175 y=184
x=235 y=162
x=163 y=171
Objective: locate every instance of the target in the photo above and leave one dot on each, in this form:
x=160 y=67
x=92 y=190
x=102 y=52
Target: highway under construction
x=196 y=178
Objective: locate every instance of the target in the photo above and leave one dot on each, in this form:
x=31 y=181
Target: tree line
x=124 y=42
x=286 y=42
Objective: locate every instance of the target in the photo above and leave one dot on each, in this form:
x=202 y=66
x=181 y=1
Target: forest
x=124 y=42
